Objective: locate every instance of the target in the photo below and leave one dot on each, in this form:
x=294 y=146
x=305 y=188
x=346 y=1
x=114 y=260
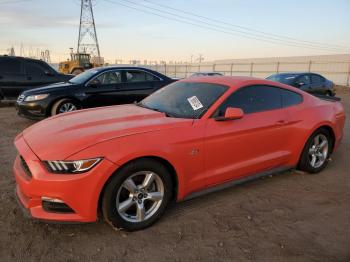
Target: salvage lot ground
x=289 y=217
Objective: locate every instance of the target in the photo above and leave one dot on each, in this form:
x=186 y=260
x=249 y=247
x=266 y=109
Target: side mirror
x=48 y=73
x=92 y=85
x=231 y=113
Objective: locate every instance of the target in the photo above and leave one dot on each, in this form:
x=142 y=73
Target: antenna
x=87 y=41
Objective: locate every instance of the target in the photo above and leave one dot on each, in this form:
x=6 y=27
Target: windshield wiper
x=155 y=109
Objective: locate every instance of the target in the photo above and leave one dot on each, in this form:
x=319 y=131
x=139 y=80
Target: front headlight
x=35 y=97
x=71 y=167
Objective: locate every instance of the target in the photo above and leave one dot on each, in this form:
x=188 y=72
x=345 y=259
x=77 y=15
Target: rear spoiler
x=328 y=98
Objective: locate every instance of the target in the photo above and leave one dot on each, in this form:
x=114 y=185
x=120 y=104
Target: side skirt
x=235 y=182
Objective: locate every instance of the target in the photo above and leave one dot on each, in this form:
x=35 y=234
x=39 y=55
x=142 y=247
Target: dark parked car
x=308 y=82
x=101 y=86
x=18 y=74
x=199 y=74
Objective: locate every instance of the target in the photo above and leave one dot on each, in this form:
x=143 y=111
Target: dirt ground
x=289 y=217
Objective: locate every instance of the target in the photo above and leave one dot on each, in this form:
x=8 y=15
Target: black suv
x=308 y=82
x=18 y=74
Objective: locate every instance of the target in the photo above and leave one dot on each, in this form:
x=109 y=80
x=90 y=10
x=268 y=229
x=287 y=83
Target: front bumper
x=33 y=110
x=80 y=191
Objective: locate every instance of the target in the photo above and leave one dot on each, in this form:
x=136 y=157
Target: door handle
x=29 y=78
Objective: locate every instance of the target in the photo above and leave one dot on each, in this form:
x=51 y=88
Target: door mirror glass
x=94 y=83
x=49 y=73
x=231 y=113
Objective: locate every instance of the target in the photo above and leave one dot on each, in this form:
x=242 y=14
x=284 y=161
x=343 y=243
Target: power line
x=242 y=27
x=214 y=27
x=224 y=30
x=240 y=31
x=13 y=1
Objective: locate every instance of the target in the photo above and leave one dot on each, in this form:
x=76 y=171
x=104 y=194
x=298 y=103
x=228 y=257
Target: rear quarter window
x=10 y=66
x=316 y=79
x=290 y=98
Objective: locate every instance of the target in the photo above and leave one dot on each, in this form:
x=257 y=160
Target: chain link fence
x=338 y=72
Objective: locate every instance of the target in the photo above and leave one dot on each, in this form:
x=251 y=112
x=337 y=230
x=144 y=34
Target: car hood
x=59 y=137
x=49 y=88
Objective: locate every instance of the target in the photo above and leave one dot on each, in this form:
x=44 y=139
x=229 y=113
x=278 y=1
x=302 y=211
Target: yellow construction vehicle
x=78 y=63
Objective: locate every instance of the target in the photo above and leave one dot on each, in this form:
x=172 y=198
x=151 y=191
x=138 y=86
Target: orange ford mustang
x=196 y=135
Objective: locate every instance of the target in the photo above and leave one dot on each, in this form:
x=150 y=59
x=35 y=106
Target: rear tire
x=130 y=202
x=316 y=152
x=64 y=105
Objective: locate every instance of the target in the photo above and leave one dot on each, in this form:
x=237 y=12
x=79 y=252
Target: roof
x=293 y=73
x=223 y=80
x=235 y=82
x=120 y=67
x=20 y=58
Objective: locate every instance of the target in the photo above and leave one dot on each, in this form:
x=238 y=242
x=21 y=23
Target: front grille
x=25 y=167
x=20 y=98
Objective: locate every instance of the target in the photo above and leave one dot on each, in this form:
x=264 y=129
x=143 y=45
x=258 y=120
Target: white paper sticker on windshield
x=195 y=103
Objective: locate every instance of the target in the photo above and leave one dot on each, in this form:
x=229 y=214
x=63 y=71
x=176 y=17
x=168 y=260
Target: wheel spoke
x=323 y=144
x=140 y=212
x=149 y=178
x=313 y=160
x=125 y=205
x=320 y=157
x=317 y=140
x=155 y=196
x=311 y=151
x=130 y=185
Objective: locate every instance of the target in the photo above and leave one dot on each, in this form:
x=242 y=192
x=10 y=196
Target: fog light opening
x=55 y=205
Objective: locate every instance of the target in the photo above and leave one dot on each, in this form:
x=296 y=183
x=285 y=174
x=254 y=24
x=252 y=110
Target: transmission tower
x=87 y=42
x=12 y=52
x=45 y=56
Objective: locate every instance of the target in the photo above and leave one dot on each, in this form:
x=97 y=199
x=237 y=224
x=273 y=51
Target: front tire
x=64 y=105
x=137 y=195
x=316 y=152
x=329 y=93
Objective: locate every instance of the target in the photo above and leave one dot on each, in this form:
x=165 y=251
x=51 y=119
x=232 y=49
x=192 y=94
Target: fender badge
x=194 y=152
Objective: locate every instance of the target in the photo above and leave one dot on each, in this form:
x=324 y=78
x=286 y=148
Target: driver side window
x=133 y=76
x=305 y=79
x=108 y=78
x=253 y=99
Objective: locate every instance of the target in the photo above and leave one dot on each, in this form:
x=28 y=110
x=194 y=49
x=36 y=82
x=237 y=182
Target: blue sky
x=126 y=34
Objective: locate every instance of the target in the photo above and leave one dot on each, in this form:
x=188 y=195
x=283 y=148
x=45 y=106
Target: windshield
x=83 y=77
x=184 y=99
x=283 y=78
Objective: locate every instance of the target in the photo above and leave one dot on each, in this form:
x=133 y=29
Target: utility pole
x=22 y=50
x=200 y=58
x=87 y=41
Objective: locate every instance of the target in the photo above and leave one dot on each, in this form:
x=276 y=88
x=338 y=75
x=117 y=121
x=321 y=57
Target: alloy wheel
x=140 y=196
x=318 y=151
x=67 y=107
